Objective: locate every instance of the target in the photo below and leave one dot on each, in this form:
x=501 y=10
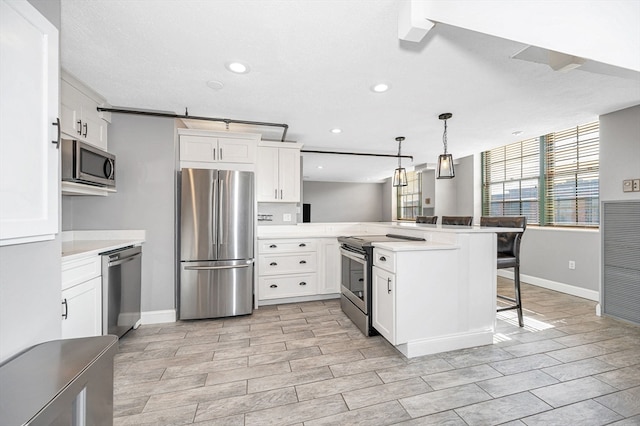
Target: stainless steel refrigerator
x=216 y=243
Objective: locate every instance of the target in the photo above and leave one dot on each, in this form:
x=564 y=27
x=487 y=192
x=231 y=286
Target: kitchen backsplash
x=278 y=213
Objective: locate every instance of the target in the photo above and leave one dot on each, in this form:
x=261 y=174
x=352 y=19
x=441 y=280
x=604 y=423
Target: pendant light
x=400 y=174
x=445 y=161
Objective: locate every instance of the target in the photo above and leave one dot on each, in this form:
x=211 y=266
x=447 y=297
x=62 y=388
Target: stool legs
x=517 y=302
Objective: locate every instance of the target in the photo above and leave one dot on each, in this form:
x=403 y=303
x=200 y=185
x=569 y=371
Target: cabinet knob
x=302 y=262
x=383 y=259
x=302 y=245
x=273 y=246
x=302 y=283
x=65 y=314
x=273 y=264
x=273 y=286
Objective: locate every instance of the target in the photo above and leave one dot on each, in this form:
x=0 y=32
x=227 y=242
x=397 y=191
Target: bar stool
x=427 y=219
x=509 y=254
x=457 y=220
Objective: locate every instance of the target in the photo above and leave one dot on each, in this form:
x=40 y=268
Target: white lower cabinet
x=82 y=297
x=298 y=267
x=384 y=303
x=82 y=310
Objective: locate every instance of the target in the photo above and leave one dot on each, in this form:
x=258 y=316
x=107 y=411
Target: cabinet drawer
x=276 y=287
x=80 y=270
x=384 y=259
x=287 y=264
x=284 y=246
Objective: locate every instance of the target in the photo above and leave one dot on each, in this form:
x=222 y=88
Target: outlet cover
x=636 y=185
x=286 y=217
x=572 y=264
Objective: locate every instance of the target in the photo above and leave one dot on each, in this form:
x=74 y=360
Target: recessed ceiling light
x=380 y=87
x=336 y=130
x=237 y=67
x=517 y=133
x=215 y=84
x=320 y=167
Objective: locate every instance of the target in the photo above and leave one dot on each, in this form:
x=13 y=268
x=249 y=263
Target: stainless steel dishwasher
x=121 y=281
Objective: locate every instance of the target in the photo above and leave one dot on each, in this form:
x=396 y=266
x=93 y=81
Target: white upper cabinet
x=29 y=78
x=80 y=117
x=223 y=149
x=278 y=172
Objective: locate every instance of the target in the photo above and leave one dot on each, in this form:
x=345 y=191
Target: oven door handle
x=353 y=254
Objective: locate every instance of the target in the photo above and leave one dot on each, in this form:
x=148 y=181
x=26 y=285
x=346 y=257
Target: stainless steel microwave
x=83 y=163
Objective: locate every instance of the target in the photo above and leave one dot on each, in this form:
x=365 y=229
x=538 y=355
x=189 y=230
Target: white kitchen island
x=428 y=297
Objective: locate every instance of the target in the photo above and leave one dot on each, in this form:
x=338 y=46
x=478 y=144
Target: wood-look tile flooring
x=307 y=364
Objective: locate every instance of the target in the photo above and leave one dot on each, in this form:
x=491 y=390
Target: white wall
x=30 y=277
x=344 y=202
x=465 y=187
x=145 y=154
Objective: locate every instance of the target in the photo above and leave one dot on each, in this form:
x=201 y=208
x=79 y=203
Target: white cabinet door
x=278 y=175
x=267 y=174
x=79 y=116
x=237 y=151
x=82 y=310
x=289 y=174
x=29 y=105
x=331 y=264
x=384 y=303
x=198 y=148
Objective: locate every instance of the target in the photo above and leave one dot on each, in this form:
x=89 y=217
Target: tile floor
x=307 y=364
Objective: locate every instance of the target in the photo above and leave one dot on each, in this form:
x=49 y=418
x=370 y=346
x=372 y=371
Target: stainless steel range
x=357 y=264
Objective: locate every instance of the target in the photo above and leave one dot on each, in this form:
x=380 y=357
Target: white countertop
x=328 y=230
x=78 y=244
x=413 y=245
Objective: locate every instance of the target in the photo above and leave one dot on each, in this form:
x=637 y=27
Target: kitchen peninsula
x=427 y=296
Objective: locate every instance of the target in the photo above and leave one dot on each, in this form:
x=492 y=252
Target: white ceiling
x=312 y=64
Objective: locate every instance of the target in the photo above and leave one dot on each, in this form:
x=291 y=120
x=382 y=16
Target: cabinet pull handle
x=57 y=141
x=273 y=246
x=361 y=280
x=79 y=127
x=302 y=262
x=281 y=194
x=276 y=194
x=302 y=245
x=383 y=259
x=85 y=127
x=221 y=157
x=65 y=314
x=273 y=264
x=388 y=285
x=273 y=286
x=302 y=283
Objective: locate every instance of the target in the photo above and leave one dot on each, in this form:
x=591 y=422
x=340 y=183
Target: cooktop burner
x=362 y=241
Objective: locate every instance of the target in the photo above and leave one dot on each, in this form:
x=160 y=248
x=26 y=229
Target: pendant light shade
x=400 y=174
x=445 y=161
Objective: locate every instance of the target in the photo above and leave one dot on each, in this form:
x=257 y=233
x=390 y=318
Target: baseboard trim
x=298 y=299
x=451 y=342
x=554 y=285
x=158 y=317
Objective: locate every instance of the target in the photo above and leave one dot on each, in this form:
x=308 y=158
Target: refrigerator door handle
x=208 y=268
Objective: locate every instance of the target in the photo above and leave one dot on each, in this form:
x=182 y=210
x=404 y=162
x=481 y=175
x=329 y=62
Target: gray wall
x=30 y=281
x=145 y=152
x=344 y=202
x=619 y=153
x=465 y=187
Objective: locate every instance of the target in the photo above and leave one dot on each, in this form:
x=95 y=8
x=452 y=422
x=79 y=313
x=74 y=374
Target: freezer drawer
x=215 y=289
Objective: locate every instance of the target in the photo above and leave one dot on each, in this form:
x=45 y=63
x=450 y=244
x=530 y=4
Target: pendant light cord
x=444 y=137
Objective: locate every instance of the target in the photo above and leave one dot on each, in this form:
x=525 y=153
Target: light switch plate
x=627 y=185
x=636 y=185
x=286 y=217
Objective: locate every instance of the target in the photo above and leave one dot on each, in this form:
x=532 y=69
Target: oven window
x=353 y=277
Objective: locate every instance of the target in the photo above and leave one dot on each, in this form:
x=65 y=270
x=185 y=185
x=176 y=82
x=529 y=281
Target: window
x=410 y=197
x=552 y=180
x=511 y=176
